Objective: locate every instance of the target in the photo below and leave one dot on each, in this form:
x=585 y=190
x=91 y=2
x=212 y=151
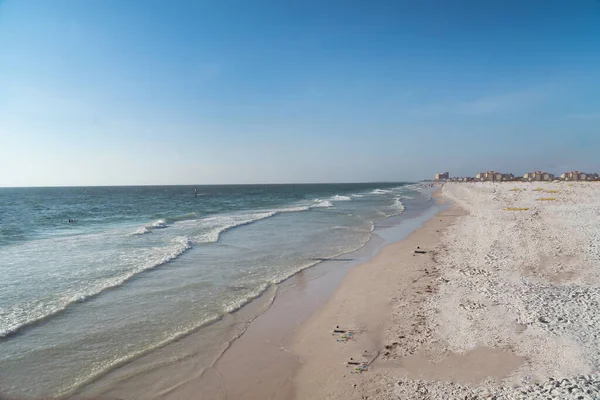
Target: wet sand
x=426 y=324
x=267 y=361
x=263 y=363
x=363 y=304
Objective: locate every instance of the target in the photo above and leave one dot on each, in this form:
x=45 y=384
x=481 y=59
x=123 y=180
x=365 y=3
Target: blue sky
x=119 y=92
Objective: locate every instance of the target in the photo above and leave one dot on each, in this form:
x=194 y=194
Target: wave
x=337 y=197
x=142 y=231
x=160 y=224
x=337 y=227
x=399 y=205
x=321 y=204
x=223 y=223
x=215 y=227
x=380 y=191
x=163 y=223
x=182 y=217
x=285 y=275
x=227 y=308
x=236 y=304
x=73 y=387
x=179 y=246
x=232 y=305
x=166 y=221
x=175 y=336
x=414 y=186
x=293 y=209
x=218 y=225
x=357 y=195
x=353 y=228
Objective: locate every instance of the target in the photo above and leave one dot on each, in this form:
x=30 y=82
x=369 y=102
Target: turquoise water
x=141 y=266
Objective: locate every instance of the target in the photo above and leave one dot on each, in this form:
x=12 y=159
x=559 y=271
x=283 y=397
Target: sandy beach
x=496 y=296
x=381 y=304
x=299 y=200
x=504 y=304
x=261 y=362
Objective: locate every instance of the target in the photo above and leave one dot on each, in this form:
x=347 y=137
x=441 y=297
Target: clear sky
x=118 y=92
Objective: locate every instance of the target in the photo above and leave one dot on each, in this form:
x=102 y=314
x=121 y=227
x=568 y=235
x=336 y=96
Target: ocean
x=141 y=267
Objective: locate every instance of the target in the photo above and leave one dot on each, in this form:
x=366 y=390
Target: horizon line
x=208 y=184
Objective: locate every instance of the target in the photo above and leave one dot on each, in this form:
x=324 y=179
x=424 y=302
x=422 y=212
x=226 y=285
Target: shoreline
x=504 y=304
x=263 y=363
x=143 y=374
x=363 y=305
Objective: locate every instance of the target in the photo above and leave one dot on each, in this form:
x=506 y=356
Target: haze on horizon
x=196 y=92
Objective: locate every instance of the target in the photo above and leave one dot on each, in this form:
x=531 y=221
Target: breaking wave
x=337 y=197
x=160 y=224
x=380 y=191
x=321 y=204
x=17 y=319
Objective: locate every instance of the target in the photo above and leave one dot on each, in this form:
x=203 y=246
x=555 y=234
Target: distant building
x=491 y=176
x=574 y=176
x=593 y=177
x=508 y=177
x=442 y=177
x=538 y=176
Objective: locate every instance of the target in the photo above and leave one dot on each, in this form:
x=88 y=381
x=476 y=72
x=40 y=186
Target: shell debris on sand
x=582 y=387
x=525 y=282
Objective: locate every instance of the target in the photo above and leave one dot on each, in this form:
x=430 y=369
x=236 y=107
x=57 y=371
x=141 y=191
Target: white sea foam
x=142 y=231
x=17 y=318
x=160 y=224
x=293 y=209
x=287 y=274
x=380 y=191
x=213 y=227
x=398 y=204
x=164 y=223
x=217 y=225
x=337 y=197
x=321 y=204
x=85 y=265
x=237 y=303
x=414 y=186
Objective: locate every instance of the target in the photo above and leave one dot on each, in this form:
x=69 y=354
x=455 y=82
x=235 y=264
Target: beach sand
x=388 y=290
x=260 y=362
x=505 y=304
x=290 y=351
x=502 y=301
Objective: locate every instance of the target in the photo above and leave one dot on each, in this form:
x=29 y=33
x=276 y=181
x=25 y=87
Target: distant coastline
x=536 y=176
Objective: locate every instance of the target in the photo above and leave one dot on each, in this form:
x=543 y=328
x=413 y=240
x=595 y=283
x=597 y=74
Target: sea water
x=139 y=267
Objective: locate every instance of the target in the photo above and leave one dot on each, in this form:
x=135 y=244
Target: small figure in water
x=70 y=220
x=195 y=192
